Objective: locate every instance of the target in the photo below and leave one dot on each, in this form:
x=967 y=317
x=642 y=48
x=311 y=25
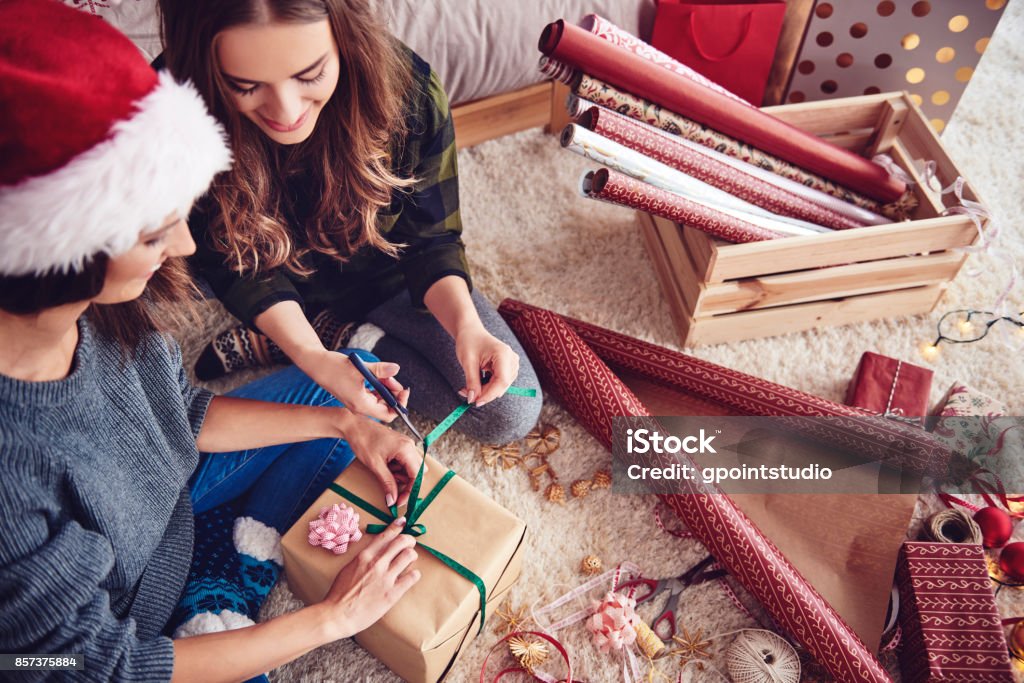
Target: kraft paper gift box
x=425 y=632
x=951 y=629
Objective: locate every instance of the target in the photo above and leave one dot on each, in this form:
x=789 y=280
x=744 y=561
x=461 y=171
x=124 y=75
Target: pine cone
x=556 y=493
x=602 y=479
x=590 y=565
x=580 y=488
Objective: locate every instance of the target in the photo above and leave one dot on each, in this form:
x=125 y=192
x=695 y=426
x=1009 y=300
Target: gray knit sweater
x=95 y=519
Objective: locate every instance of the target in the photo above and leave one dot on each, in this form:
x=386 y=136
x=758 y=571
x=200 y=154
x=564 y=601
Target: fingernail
x=462 y=393
x=400 y=521
x=389 y=499
x=470 y=397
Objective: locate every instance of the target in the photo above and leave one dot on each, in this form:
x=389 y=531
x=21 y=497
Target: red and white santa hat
x=95 y=146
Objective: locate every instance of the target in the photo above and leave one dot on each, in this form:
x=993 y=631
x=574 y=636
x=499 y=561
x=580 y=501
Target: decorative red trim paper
x=951 y=628
x=571 y=370
x=661 y=147
x=618 y=188
x=632 y=72
x=744 y=394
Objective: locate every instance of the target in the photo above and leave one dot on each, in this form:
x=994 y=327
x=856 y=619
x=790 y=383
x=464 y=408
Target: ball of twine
x=762 y=657
x=951 y=526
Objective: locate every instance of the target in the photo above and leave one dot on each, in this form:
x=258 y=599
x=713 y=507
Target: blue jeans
x=278 y=482
x=273 y=485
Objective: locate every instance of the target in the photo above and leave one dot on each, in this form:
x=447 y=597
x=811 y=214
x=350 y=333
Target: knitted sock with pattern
x=235 y=562
x=240 y=347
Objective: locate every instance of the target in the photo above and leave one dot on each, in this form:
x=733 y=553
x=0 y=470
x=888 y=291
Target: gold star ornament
x=690 y=646
x=508 y=456
x=511 y=619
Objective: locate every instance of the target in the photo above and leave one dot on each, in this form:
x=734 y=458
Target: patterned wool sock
x=235 y=563
x=240 y=347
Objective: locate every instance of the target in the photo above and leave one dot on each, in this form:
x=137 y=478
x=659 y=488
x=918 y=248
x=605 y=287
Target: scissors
x=385 y=394
x=693 y=576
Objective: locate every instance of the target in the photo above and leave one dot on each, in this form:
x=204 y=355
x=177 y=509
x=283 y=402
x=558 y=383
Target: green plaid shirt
x=426 y=219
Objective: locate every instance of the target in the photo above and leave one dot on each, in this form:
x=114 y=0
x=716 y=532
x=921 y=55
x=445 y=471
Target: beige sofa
x=484 y=50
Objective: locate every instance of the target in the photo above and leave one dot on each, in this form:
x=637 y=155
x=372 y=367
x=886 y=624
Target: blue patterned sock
x=235 y=563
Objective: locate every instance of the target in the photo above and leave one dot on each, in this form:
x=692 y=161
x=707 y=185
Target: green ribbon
x=417 y=506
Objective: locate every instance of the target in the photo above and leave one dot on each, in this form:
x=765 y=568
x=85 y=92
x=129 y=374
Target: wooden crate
x=720 y=292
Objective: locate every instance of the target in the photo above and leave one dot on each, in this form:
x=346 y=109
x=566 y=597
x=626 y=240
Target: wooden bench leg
x=559 y=114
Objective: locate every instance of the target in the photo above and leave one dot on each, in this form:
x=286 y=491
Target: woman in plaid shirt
x=342 y=207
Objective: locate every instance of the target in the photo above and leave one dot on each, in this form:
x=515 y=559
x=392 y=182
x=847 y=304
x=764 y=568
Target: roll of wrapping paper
x=618 y=188
x=607 y=31
x=597 y=91
x=646 y=169
x=853 y=429
x=560 y=71
x=618 y=66
x=667 y=150
x=590 y=391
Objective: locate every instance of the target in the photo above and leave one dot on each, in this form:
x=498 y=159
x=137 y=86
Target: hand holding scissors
x=384 y=393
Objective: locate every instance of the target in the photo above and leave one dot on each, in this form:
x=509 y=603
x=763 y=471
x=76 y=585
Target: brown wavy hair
x=166 y=304
x=349 y=152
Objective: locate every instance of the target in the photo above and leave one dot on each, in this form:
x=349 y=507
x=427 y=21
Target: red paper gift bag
x=732 y=43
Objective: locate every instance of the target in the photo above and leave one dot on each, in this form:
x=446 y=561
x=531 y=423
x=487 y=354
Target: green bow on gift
x=417 y=506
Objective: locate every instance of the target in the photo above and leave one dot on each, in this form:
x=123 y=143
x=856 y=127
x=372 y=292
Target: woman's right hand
x=336 y=373
x=366 y=588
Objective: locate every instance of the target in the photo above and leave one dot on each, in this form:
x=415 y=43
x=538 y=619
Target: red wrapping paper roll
x=590 y=391
x=663 y=148
x=618 y=188
x=622 y=68
x=849 y=427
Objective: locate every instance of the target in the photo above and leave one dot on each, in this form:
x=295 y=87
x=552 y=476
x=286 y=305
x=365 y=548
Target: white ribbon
x=974 y=211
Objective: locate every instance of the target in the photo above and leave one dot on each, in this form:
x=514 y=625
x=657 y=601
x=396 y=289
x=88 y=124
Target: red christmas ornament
x=1011 y=560
x=996 y=527
x=1017 y=640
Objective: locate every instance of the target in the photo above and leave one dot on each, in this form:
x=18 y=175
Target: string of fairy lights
x=966 y=326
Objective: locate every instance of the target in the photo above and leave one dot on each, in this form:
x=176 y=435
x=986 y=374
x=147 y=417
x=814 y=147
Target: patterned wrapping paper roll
x=606 y=30
x=560 y=71
x=664 y=148
x=590 y=391
x=618 y=188
x=848 y=427
x=637 y=165
x=576 y=47
x=595 y=90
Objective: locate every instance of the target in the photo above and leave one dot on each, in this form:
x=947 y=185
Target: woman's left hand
x=391 y=456
x=480 y=352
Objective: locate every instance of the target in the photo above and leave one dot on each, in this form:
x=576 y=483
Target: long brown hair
x=167 y=302
x=349 y=152
x=167 y=305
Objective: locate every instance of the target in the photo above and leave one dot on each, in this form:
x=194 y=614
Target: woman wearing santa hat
x=101 y=480
x=343 y=207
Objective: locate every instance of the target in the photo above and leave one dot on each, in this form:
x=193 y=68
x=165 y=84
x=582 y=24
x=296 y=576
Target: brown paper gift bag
x=427 y=630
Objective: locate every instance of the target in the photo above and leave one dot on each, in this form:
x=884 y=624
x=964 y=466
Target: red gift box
x=890 y=387
x=951 y=629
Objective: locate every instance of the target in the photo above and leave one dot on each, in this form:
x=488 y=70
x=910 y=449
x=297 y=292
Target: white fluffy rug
x=530 y=236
